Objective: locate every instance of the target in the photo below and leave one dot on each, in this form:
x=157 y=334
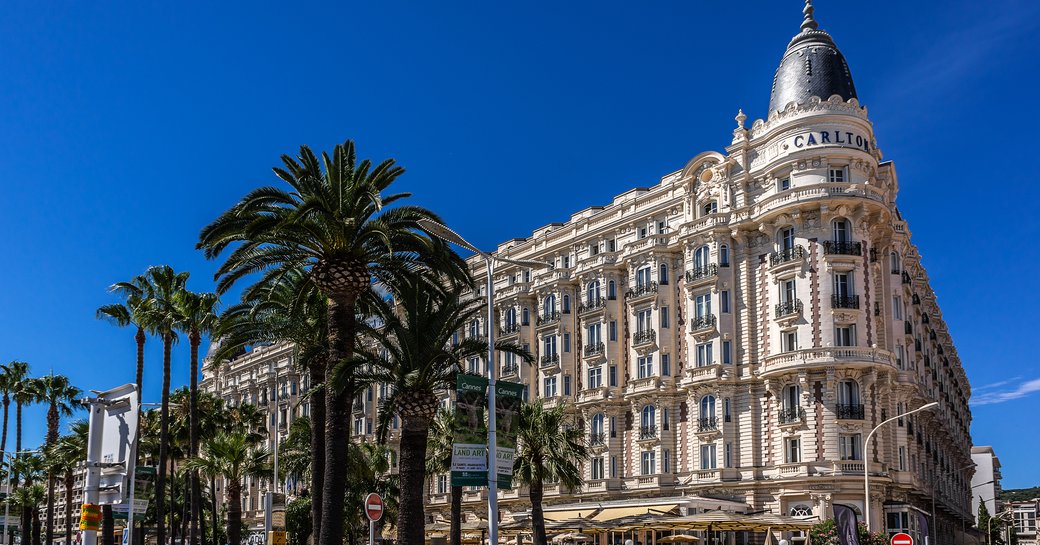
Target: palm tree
x=162 y=317
x=333 y=222
x=63 y=457
x=551 y=449
x=197 y=315
x=419 y=360
x=17 y=374
x=136 y=294
x=233 y=457
x=61 y=397
x=28 y=499
x=8 y=384
x=438 y=461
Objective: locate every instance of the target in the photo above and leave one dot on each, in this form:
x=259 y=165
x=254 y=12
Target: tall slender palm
x=197 y=316
x=9 y=379
x=551 y=449
x=136 y=294
x=233 y=457
x=30 y=467
x=18 y=376
x=61 y=397
x=438 y=461
x=162 y=317
x=334 y=222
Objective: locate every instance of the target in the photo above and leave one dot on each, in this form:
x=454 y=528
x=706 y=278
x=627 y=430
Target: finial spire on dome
x=809 y=23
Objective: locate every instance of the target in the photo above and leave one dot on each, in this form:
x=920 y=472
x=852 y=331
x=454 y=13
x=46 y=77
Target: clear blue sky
x=126 y=126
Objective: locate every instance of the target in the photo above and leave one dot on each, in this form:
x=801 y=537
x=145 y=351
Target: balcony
x=597 y=439
x=642 y=290
x=844 y=301
x=510 y=369
x=643 y=385
x=792 y=415
x=644 y=337
x=706 y=272
x=593 y=395
x=706 y=425
x=548 y=318
x=650 y=482
x=700 y=323
x=593 y=350
x=706 y=373
x=849 y=411
x=550 y=360
x=840 y=247
x=592 y=305
x=906 y=278
x=788 y=255
x=647 y=432
x=789 y=308
x=908 y=328
x=509 y=329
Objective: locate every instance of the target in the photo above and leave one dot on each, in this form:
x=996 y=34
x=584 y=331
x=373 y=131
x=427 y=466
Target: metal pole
x=133 y=483
x=92 y=480
x=866 y=461
x=492 y=421
x=7 y=506
x=371 y=532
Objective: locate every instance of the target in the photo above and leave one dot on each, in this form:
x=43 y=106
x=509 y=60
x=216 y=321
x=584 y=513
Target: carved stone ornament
x=811 y=219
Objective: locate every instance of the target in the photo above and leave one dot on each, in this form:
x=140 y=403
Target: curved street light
x=866 y=462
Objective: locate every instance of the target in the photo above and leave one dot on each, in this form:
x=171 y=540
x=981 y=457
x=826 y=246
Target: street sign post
x=902 y=539
x=374 y=512
x=111 y=442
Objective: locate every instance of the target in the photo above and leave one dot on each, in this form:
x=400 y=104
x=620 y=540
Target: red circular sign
x=902 y=539
x=374 y=507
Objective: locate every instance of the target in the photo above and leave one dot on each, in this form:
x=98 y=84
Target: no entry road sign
x=374 y=507
x=902 y=539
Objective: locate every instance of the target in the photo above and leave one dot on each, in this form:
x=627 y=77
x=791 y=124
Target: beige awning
x=613 y=513
x=572 y=514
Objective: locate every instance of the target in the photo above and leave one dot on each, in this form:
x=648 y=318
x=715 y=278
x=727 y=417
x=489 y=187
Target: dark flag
x=845 y=523
x=922 y=525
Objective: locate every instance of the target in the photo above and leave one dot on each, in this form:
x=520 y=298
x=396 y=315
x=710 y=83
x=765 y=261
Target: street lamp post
x=866 y=461
x=444 y=233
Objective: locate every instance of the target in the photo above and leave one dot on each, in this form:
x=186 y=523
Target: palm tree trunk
x=415 y=433
x=455 y=532
x=172 y=529
x=213 y=508
x=108 y=526
x=164 y=436
x=140 y=338
x=537 y=515
x=69 y=483
x=234 y=513
x=36 y=527
x=3 y=439
x=193 y=442
x=342 y=327
x=52 y=435
x=317 y=402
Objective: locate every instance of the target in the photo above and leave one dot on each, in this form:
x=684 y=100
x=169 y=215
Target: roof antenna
x=809 y=23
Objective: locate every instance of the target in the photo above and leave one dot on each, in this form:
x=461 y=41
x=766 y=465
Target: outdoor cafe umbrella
x=438 y=527
x=571 y=537
x=679 y=538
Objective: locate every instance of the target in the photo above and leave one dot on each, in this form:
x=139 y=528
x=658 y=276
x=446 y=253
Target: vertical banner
x=845 y=522
x=508 y=396
x=922 y=528
x=469 y=451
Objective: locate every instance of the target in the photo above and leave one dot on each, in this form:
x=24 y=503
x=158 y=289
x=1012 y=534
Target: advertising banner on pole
x=469 y=449
x=845 y=519
x=508 y=397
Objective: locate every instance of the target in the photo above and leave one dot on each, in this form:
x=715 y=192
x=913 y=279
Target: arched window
x=894 y=257
x=597 y=424
x=566 y=304
x=611 y=290
x=785 y=239
x=848 y=392
x=708 y=407
x=662 y=273
x=701 y=257
x=525 y=315
x=649 y=416
x=549 y=305
x=842 y=230
x=592 y=292
x=801 y=511
x=724 y=256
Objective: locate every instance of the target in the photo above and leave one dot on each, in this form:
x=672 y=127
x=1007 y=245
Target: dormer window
x=837 y=175
x=783 y=184
x=711 y=208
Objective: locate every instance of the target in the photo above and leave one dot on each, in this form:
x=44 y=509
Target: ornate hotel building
x=735 y=330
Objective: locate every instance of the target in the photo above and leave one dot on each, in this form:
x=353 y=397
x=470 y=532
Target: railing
x=549 y=360
x=846 y=411
x=708 y=424
x=706 y=271
x=785 y=255
x=702 y=322
x=844 y=301
x=915 y=299
x=642 y=289
x=908 y=328
x=509 y=329
x=840 y=247
x=791 y=415
x=548 y=318
x=645 y=336
x=594 y=349
x=510 y=369
x=596 y=439
x=788 y=308
x=592 y=305
x=648 y=432
x=906 y=277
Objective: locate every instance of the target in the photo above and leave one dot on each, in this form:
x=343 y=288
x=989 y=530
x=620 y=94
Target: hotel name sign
x=827 y=136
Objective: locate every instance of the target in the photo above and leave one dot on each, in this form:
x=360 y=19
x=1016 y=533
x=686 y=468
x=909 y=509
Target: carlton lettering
x=831 y=137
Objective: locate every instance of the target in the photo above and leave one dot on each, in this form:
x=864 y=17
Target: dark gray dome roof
x=812 y=66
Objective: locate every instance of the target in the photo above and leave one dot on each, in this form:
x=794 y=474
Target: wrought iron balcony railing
x=648 y=432
x=791 y=415
x=702 y=322
x=509 y=329
x=594 y=349
x=548 y=318
x=842 y=247
x=645 y=336
x=785 y=255
x=642 y=289
x=706 y=271
x=510 y=369
x=844 y=301
x=596 y=439
x=549 y=360
x=906 y=277
x=708 y=424
x=591 y=305
x=849 y=411
x=788 y=308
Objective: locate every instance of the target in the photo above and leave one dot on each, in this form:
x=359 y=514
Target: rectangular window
x=724 y=301
x=549 y=345
x=902 y=458
x=793 y=451
x=649 y=465
x=848 y=446
x=593 y=249
x=843 y=284
x=612 y=330
x=611 y=244
x=594 y=334
x=729 y=455
x=643 y=232
x=613 y=467
x=708 y=456
x=787 y=291
x=897 y=307
x=665 y=460
x=704 y=356
x=566 y=342
x=900 y=356
x=566 y=385
x=845 y=335
x=442 y=484
x=666 y=365
x=597 y=469
x=550 y=387
x=702 y=305
x=784 y=184
x=836 y=175
x=789 y=339
x=664 y=317
x=643 y=320
x=595 y=377
x=613 y=426
x=646 y=366
x=727 y=352
x=613 y=375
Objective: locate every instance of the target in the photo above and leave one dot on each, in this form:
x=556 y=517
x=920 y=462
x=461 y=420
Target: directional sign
x=374 y=507
x=902 y=539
